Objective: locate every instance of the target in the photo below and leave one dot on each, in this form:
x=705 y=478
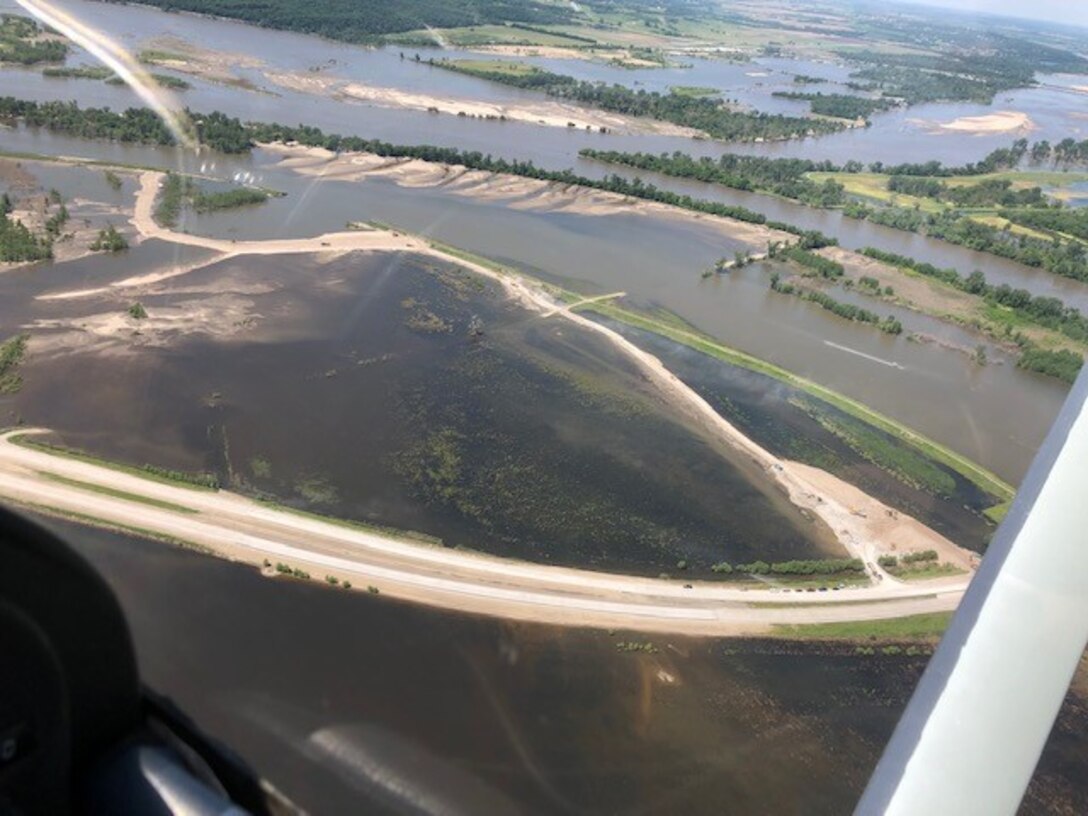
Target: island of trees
x=782 y=177
x=700 y=112
x=23 y=41
x=842 y=106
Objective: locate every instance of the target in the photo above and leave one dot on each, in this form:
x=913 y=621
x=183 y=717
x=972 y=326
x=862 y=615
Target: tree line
x=988 y=193
x=367 y=21
x=133 y=125
x=841 y=106
x=1068 y=259
x=783 y=177
x=1048 y=312
x=847 y=311
x=788 y=177
x=1056 y=219
x=228 y=134
x=699 y=112
x=817 y=566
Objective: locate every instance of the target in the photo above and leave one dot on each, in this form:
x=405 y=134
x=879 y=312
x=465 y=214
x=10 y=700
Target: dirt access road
x=240 y=529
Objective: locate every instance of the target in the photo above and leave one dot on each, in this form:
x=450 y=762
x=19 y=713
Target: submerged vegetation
x=902 y=462
x=982 y=478
x=928 y=627
x=109 y=240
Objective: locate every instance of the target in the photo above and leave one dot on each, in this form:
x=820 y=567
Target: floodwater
x=337 y=696
x=901 y=135
x=769 y=412
x=997 y=415
x=361 y=391
x=346 y=699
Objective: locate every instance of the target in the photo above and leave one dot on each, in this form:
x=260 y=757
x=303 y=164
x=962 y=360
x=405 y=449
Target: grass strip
x=929 y=626
x=117 y=494
x=192 y=481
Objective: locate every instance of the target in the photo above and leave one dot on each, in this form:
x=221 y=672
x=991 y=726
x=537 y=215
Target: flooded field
x=903 y=134
x=342 y=702
x=996 y=415
x=386 y=389
x=406 y=393
x=796 y=426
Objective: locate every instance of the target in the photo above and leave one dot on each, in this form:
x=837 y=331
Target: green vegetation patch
x=20 y=42
x=109 y=240
x=928 y=627
x=503 y=67
x=12 y=353
x=194 y=481
x=170 y=200
x=904 y=463
x=17 y=242
x=165 y=80
x=81 y=72
x=203 y=201
x=997 y=513
x=694 y=90
x=117 y=494
x=154 y=55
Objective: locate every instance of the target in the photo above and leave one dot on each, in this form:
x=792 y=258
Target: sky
x=1061 y=11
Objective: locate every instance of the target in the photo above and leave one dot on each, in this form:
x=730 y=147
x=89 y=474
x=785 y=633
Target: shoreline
x=516 y=191
x=825 y=498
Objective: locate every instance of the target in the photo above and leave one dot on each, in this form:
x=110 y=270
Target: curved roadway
x=240 y=529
